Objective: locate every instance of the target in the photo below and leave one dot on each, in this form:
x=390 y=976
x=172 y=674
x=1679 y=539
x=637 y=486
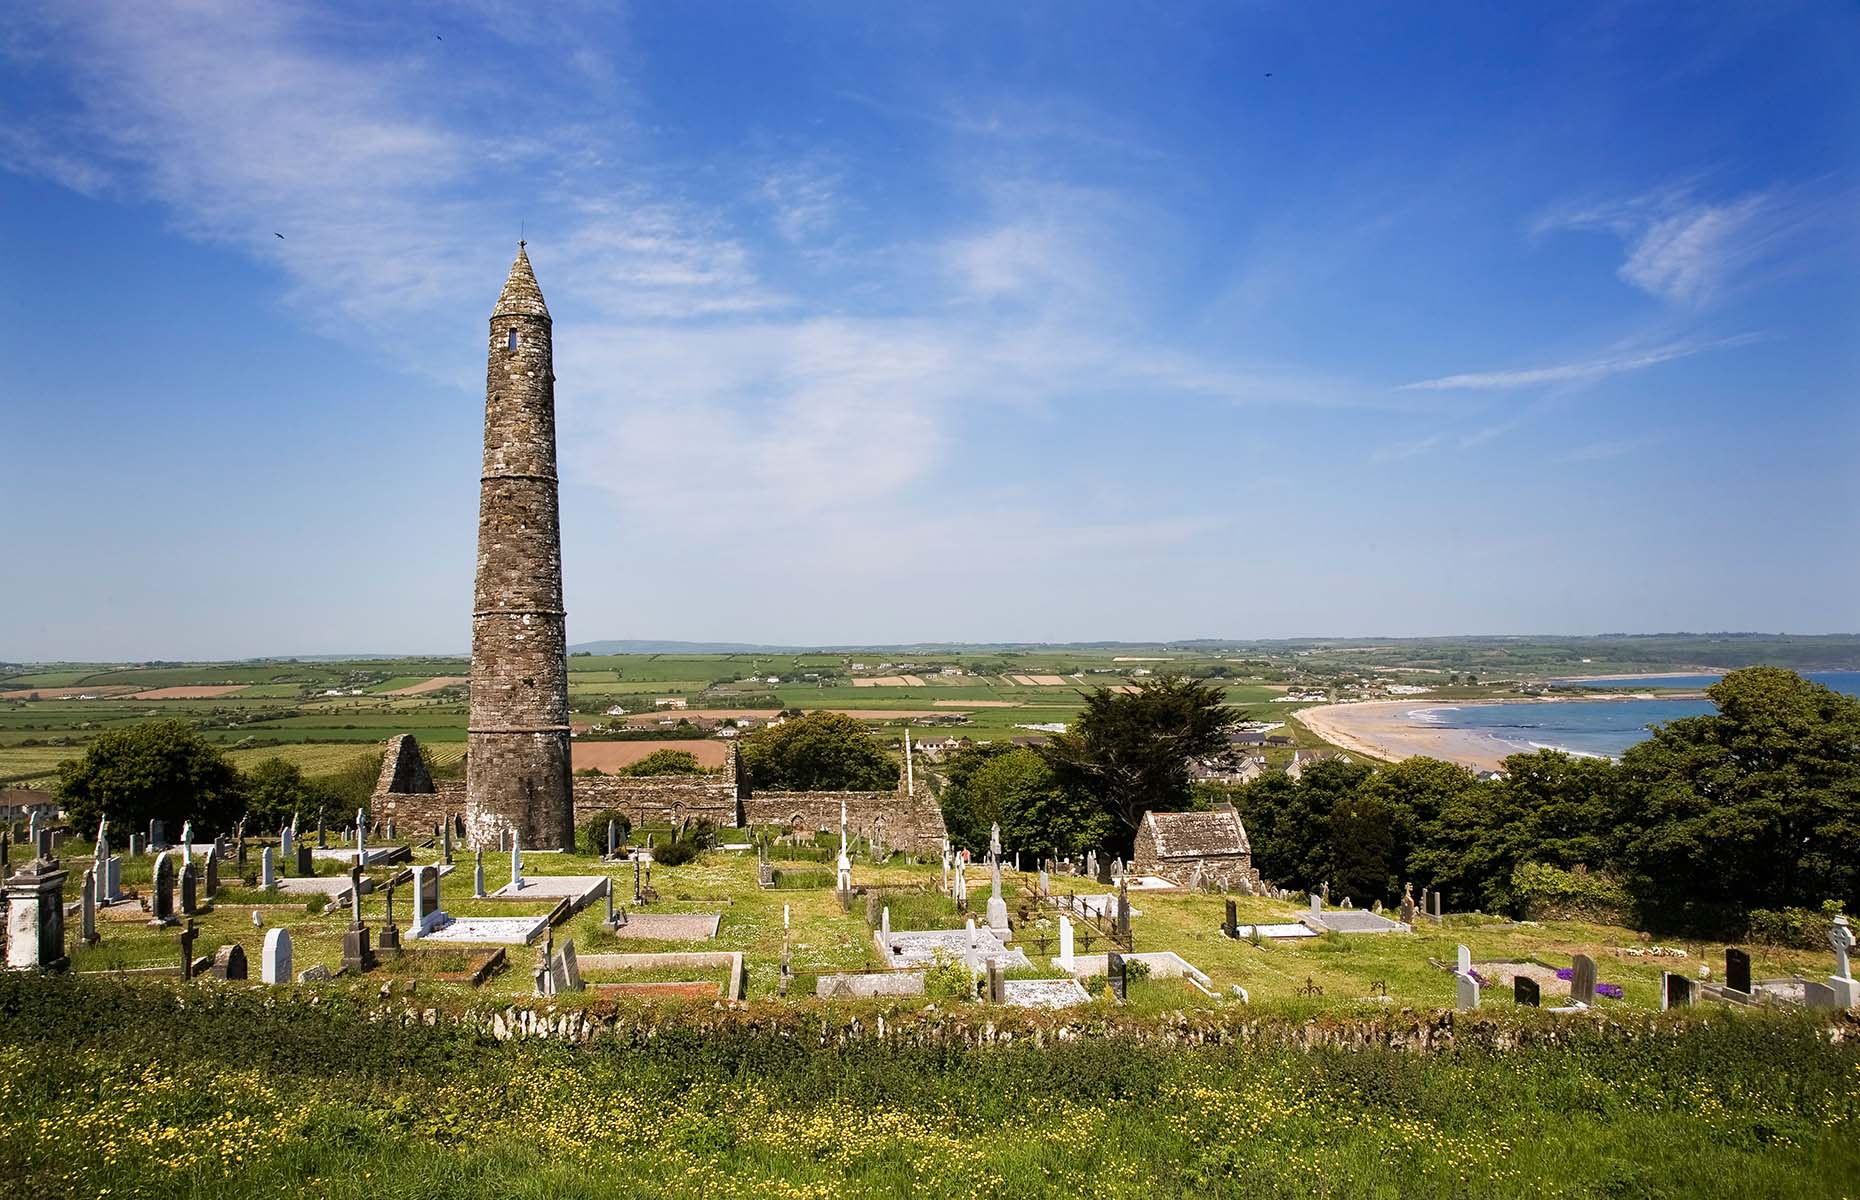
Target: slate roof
x=1197 y=834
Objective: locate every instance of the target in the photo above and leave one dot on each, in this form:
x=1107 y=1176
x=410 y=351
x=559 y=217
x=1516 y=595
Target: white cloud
x=1684 y=249
x=1575 y=373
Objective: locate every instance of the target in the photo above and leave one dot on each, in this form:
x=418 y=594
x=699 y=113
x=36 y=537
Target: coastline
x=1381 y=729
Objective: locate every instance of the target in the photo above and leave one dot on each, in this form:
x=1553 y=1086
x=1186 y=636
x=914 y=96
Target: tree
x=1416 y=789
x=1362 y=847
x=1016 y=788
x=820 y=752
x=275 y=788
x=1755 y=806
x=1128 y=752
x=663 y=762
x=159 y=770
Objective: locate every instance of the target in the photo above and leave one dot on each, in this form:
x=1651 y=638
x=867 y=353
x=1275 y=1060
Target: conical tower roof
x=521 y=296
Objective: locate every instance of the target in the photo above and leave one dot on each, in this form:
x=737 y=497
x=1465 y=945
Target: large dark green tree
x=1013 y=786
x=1128 y=752
x=157 y=770
x=275 y=788
x=820 y=752
x=1754 y=806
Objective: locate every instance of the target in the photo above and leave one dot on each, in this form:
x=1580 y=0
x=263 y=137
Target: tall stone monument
x=517 y=774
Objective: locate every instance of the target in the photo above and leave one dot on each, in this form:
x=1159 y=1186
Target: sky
x=964 y=322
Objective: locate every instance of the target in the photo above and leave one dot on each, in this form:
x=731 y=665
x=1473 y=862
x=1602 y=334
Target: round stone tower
x=517 y=774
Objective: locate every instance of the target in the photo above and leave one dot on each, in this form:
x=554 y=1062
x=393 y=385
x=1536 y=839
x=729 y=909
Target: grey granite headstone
x=1115 y=975
x=1582 y=979
x=190 y=887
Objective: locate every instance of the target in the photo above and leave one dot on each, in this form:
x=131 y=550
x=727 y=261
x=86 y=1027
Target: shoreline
x=1381 y=730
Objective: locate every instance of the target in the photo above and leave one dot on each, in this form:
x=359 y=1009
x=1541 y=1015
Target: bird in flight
x=277 y=235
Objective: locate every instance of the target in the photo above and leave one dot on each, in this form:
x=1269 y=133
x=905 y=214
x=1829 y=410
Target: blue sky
x=983 y=322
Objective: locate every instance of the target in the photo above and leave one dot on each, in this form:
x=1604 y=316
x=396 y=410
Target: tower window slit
x=510 y=340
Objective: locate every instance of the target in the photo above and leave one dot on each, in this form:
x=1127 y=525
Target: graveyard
x=742 y=1024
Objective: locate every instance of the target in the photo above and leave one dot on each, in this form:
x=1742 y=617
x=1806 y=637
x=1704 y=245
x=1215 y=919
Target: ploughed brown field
x=611 y=756
x=192 y=691
x=428 y=685
x=59 y=693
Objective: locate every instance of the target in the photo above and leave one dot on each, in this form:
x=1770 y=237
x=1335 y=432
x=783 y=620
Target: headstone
x=1066 y=962
x=1736 y=970
x=1436 y=904
x=187 y=950
x=135 y=845
x=229 y=962
x=388 y=941
x=1115 y=975
x=286 y=844
x=161 y=891
x=1231 y=925
x=997 y=982
x=1465 y=992
x=1123 y=911
x=190 y=888
x=274 y=965
x=516 y=862
x=1317 y=903
x=322 y=836
x=1524 y=990
x=88 y=902
x=426 y=910
x=1677 y=991
x=316 y=974
x=1046 y=887
x=110 y=884
x=1820 y=997
x=1463 y=965
x=1582 y=980
x=1407 y=910
x=306 y=861
x=213 y=871
x=570 y=978
x=477 y=875
x=157 y=840
x=884 y=926
x=267 y=869
x=613 y=838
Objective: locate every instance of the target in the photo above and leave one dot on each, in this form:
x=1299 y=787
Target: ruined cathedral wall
x=657 y=799
x=417 y=812
x=912 y=823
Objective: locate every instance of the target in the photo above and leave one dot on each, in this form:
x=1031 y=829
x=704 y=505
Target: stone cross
x=103 y=841
x=355 y=897
x=187 y=840
x=361 y=845
x=1841 y=941
x=187 y=950
x=32 y=827
x=274 y=965
x=994 y=840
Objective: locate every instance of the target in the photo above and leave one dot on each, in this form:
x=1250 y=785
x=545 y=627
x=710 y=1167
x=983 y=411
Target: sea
x=1603 y=728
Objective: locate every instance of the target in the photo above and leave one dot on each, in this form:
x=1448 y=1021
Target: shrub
x=948 y=978
x=595 y=830
x=1807 y=928
x=675 y=854
x=1135 y=970
x=1550 y=893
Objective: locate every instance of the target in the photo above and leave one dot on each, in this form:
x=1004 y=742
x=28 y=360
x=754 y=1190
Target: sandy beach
x=1382 y=729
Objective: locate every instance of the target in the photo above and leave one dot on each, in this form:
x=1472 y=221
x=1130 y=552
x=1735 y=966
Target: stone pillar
x=1066 y=960
x=88 y=908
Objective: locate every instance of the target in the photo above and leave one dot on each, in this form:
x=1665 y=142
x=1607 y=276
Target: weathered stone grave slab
x=670 y=927
x=510 y=931
x=918 y=947
x=1288 y=929
x=1044 y=993
x=862 y=987
x=1352 y=920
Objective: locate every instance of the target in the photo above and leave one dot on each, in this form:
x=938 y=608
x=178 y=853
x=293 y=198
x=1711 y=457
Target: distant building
x=671 y=702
